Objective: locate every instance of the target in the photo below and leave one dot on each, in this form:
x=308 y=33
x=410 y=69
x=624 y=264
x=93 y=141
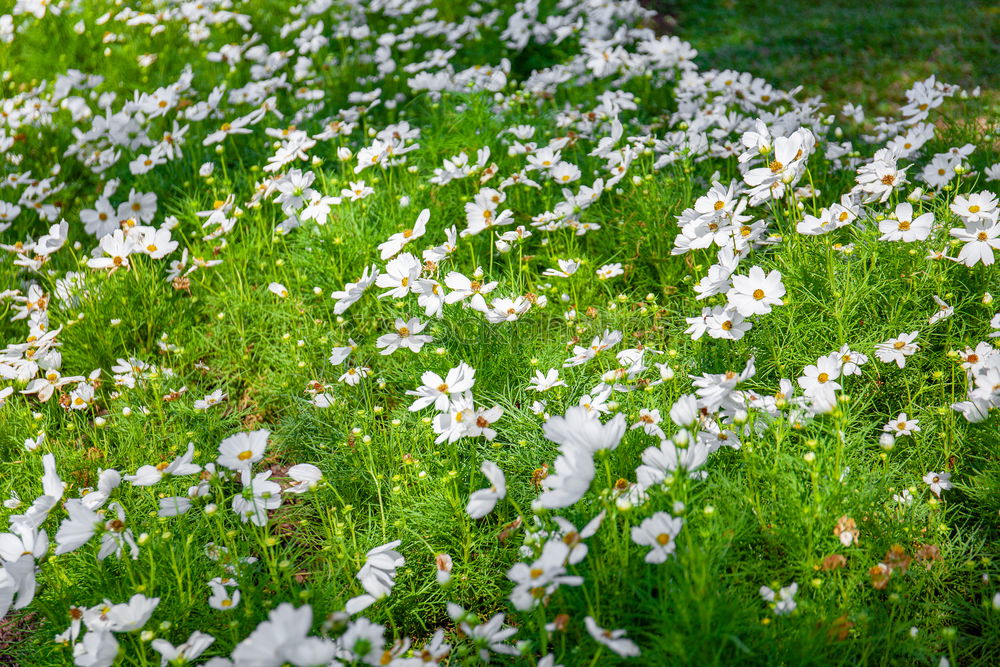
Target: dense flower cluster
x=547 y=178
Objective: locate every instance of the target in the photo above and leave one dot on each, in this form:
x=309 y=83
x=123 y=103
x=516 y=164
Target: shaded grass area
x=847 y=50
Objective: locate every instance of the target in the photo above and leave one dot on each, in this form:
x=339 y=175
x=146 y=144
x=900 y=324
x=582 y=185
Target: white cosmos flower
x=613 y=639
x=284 y=638
x=897 y=349
x=659 y=532
x=192 y=648
x=222 y=598
x=755 y=293
x=407 y=334
x=377 y=576
x=241 y=450
x=905 y=227
x=438 y=392
x=149 y=475
x=397 y=241
x=305 y=476
x=483 y=501
x=580 y=429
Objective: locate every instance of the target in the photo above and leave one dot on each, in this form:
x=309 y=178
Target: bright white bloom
x=901 y=425
x=755 y=293
x=483 y=501
x=242 y=450
x=407 y=334
x=284 y=638
x=613 y=639
x=897 y=349
x=938 y=482
x=659 y=532
x=905 y=227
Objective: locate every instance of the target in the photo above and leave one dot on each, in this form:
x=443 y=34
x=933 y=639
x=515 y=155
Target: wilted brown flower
x=847 y=530
x=880 y=575
x=840 y=629
x=927 y=554
x=897 y=559
x=833 y=562
x=539 y=474
x=509 y=529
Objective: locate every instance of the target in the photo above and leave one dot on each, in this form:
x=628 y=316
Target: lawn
x=415 y=332
x=847 y=50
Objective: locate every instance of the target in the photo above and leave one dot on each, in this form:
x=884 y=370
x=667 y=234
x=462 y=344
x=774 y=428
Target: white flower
x=901 y=425
x=305 y=476
x=938 y=482
x=613 y=639
x=182 y=653
x=284 y=637
x=407 y=334
x=980 y=242
x=820 y=380
x=242 y=450
x=545 y=382
x=897 y=349
x=210 y=400
x=483 y=501
x=259 y=495
x=400 y=276
x=131 y=615
x=396 y=242
x=222 y=598
x=659 y=532
x=174 y=506
x=581 y=430
x=943 y=312
x=755 y=293
x=377 y=576
x=784 y=598
x=574 y=470
x=609 y=271
x=905 y=227
x=116 y=248
x=97 y=648
x=438 y=392
x=78 y=528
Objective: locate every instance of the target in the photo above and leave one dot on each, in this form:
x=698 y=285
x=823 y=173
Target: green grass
x=764 y=516
x=848 y=51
